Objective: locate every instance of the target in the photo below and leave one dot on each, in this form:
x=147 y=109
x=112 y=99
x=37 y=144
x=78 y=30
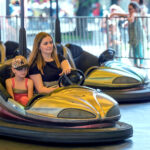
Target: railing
x=94 y=34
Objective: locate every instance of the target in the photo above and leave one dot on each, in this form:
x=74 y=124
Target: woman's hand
x=66 y=68
x=65 y=71
x=53 y=88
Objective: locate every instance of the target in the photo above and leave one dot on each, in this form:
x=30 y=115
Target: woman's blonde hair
x=36 y=56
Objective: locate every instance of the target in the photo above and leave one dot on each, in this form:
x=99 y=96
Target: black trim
x=120 y=132
x=130 y=95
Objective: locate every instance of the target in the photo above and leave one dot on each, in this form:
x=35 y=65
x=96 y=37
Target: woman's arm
x=30 y=88
x=38 y=83
x=118 y=14
x=66 y=68
x=131 y=18
x=9 y=87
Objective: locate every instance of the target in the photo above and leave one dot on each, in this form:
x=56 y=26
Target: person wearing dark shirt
x=46 y=66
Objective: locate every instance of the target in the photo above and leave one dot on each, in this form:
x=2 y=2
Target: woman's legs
x=135 y=55
x=138 y=53
x=141 y=54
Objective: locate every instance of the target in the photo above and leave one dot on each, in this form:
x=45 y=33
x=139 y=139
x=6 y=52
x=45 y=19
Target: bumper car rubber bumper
x=119 y=132
x=137 y=94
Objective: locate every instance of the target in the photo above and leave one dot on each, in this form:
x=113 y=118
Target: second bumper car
x=123 y=82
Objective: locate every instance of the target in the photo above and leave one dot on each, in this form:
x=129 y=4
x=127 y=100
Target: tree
x=84 y=9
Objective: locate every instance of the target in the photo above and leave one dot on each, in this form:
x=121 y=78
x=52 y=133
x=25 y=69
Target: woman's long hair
x=36 y=56
x=136 y=6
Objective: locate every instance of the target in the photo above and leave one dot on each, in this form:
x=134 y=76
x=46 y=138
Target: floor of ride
x=135 y=114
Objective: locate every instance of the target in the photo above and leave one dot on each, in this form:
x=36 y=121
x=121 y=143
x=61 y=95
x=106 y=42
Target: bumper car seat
x=82 y=59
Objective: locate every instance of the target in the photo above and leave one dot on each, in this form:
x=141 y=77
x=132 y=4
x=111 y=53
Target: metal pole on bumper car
x=57 y=26
x=22 y=32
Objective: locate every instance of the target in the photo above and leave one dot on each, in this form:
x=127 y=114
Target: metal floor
x=138 y=115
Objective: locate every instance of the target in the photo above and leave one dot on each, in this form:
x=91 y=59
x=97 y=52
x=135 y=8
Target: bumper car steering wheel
x=75 y=77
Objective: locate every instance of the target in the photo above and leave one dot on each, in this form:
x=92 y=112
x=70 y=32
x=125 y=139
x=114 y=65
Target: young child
x=20 y=87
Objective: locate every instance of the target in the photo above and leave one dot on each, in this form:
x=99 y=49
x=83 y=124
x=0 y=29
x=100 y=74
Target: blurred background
x=82 y=22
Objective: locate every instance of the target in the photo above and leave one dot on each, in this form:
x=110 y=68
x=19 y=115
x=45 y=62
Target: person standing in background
x=144 y=13
x=135 y=31
x=115 y=32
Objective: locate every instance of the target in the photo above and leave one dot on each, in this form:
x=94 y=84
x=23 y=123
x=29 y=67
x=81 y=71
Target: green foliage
x=73 y=37
x=86 y=3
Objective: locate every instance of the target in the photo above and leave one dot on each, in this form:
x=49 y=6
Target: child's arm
x=9 y=87
x=30 y=88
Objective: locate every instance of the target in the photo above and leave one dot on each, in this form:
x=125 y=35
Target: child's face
x=21 y=73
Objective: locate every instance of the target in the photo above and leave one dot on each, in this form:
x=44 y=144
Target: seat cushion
x=5 y=73
x=83 y=60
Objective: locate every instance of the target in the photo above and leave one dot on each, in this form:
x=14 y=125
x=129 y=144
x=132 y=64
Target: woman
x=45 y=65
x=135 y=31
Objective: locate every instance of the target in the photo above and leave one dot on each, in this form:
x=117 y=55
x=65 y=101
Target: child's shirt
x=20 y=95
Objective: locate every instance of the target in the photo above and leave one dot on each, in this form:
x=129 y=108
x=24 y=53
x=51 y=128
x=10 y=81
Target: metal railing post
x=107 y=30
